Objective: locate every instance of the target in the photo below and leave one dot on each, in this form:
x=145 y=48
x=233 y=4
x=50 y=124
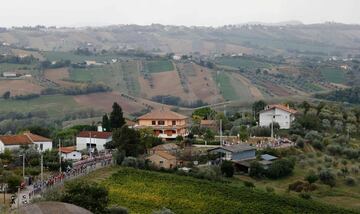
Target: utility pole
x=24 y=165
x=42 y=167
x=59 y=155
x=90 y=146
x=220 y=132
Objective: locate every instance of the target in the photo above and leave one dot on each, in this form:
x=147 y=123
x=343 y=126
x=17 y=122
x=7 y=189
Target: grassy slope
x=226 y=88
x=159 y=66
x=75 y=58
x=55 y=105
x=119 y=76
x=144 y=191
x=242 y=63
x=333 y=75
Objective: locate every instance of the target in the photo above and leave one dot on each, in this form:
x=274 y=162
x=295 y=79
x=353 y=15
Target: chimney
x=100 y=128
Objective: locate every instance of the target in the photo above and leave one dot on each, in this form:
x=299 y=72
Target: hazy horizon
x=81 y=13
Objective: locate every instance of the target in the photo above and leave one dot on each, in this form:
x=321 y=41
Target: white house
x=12 y=142
x=92 y=139
x=70 y=153
x=283 y=115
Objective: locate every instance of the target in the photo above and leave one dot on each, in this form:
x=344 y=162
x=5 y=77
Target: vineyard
x=144 y=191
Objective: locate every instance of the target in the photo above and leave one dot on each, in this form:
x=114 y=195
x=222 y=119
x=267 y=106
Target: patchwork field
x=20 y=87
x=158 y=66
x=58 y=76
x=202 y=84
x=244 y=89
x=333 y=75
x=145 y=191
x=104 y=101
x=242 y=62
x=55 y=105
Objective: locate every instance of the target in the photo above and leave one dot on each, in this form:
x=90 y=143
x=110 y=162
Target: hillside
x=317 y=39
x=144 y=191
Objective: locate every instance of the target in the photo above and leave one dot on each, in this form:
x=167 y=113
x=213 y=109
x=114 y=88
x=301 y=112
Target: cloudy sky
x=176 y=12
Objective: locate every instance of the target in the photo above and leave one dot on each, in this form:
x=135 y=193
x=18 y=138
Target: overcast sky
x=175 y=12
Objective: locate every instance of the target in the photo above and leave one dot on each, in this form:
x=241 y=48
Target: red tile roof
x=282 y=107
x=162 y=114
x=68 y=149
x=36 y=138
x=94 y=134
x=15 y=140
x=24 y=139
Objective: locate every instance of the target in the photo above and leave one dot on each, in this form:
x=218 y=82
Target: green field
x=75 y=58
x=145 y=191
x=333 y=75
x=159 y=66
x=13 y=67
x=223 y=81
x=119 y=76
x=54 y=105
x=241 y=62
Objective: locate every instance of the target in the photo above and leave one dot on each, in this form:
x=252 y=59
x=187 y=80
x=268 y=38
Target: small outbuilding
x=236 y=152
x=70 y=153
x=162 y=159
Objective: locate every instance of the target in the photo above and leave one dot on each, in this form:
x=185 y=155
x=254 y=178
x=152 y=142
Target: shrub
x=88 y=195
x=209 y=172
x=327 y=159
x=305 y=195
x=311 y=178
x=256 y=169
x=300 y=142
x=280 y=168
x=327 y=177
x=227 y=169
x=130 y=162
x=297 y=186
x=119 y=157
x=270 y=189
x=350 y=181
x=249 y=184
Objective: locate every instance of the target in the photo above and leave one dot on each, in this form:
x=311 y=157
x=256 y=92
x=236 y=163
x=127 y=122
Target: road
x=80 y=169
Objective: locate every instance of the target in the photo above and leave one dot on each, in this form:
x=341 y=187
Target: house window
x=153 y=122
x=161 y=122
x=41 y=147
x=173 y=122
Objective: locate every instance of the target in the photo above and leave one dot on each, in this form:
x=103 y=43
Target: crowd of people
x=79 y=168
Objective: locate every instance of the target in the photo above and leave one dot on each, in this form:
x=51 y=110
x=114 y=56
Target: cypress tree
x=106 y=123
x=117 y=119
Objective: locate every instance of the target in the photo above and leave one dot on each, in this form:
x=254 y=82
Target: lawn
x=145 y=191
x=156 y=66
x=333 y=75
x=224 y=83
x=54 y=105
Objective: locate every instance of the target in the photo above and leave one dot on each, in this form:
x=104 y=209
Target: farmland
x=333 y=75
x=242 y=62
x=145 y=191
x=226 y=88
x=158 y=66
x=55 y=105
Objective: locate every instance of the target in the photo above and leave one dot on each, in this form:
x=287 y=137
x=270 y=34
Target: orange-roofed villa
x=165 y=123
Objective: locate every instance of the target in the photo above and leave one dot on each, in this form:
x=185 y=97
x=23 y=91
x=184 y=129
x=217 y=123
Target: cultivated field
x=58 y=76
x=20 y=87
x=145 y=191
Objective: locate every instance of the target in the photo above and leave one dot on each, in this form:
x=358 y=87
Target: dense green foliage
x=89 y=195
x=350 y=95
x=116 y=117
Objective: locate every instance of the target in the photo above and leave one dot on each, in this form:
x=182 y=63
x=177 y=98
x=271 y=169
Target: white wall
x=283 y=118
x=75 y=155
x=81 y=143
x=46 y=145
